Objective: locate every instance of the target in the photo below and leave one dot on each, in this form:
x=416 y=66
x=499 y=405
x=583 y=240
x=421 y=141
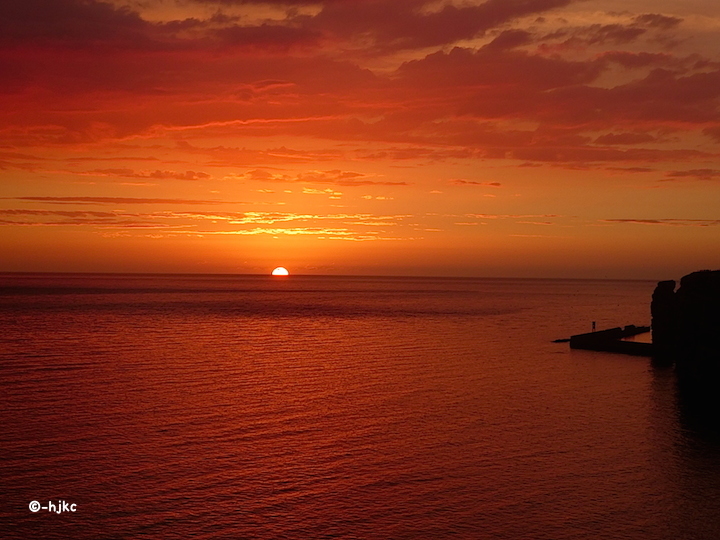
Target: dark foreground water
x=250 y=407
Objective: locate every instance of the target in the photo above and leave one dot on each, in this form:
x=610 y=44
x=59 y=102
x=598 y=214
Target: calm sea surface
x=251 y=407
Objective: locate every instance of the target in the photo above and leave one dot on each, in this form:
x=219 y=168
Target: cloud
x=151 y=175
x=624 y=32
x=497 y=70
x=318 y=232
x=713 y=132
x=509 y=216
x=509 y=39
x=86 y=72
x=69 y=21
x=694 y=174
x=335 y=177
x=674 y=222
x=584 y=155
x=227 y=156
x=404 y=24
x=415 y=152
x=114 y=158
x=462 y=182
x=532 y=236
x=656 y=20
x=76 y=24
x=116 y=200
x=344 y=178
x=625 y=138
x=662 y=97
x=79 y=222
x=268 y=37
x=373 y=24
x=633 y=170
x=70 y=214
x=558 y=93
x=331 y=193
x=19 y=156
x=275 y=217
x=357 y=226
x=76 y=218
x=637 y=60
x=612 y=34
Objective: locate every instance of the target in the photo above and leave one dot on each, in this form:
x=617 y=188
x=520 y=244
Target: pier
x=612 y=340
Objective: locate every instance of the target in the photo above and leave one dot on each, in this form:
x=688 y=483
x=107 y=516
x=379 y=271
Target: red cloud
x=713 y=132
x=402 y=24
x=222 y=77
x=390 y=25
x=625 y=138
x=655 y=20
x=497 y=70
x=74 y=22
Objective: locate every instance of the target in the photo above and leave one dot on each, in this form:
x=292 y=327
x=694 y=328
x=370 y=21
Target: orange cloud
x=150 y=175
x=674 y=222
x=335 y=177
x=115 y=200
x=694 y=174
x=462 y=182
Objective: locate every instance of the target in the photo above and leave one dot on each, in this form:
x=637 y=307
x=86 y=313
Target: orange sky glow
x=527 y=138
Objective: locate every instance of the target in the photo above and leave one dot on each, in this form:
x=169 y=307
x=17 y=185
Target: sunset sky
x=540 y=138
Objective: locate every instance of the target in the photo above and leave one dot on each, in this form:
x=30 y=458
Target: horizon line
x=291 y=275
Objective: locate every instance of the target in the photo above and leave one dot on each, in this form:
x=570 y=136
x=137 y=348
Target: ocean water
x=251 y=407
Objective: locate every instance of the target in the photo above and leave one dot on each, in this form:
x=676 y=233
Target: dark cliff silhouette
x=686 y=332
x=663 y=310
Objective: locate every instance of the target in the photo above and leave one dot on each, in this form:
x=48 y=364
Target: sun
x=280 y=271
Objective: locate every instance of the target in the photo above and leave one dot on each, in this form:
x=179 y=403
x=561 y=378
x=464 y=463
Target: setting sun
x=280 y=271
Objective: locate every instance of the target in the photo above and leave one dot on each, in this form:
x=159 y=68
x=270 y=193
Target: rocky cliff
x=686 y=329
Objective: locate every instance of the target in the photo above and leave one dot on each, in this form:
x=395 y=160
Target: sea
x=334 y=407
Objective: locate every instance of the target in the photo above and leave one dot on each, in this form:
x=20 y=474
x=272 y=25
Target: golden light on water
x=280 y=271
